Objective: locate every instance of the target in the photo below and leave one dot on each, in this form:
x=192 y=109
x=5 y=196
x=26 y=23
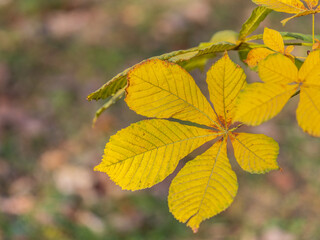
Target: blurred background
x=53 y=53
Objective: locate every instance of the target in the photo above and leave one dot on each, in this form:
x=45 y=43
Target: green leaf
x=110 y=88
x=216 y=47
x=197 y=62
x=108 y=104
x=298 y=63
x=257 y=16
x=299 y=36
x=225 y=36
x=288 y=36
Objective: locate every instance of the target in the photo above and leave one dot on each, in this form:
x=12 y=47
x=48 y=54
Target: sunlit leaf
x=165 y=90
x=273 y=39
x=308 y=111
x=310 y=68
x=257 y=16
x=278 y=68
x=204 y=187
x=146 y=152
x=260 y=102
x=255 y=153
x=225 y=80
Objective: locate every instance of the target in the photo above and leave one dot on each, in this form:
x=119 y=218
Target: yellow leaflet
x=287 y=6
x=204 y=187
x=277 y=68
x=225 y=80
x=308 y=111
x=161 y=89
x=288 y=50
x=309 y=70
x=146 y=152
x=255 y=153
x=273 y=39
x=256 y=55
x=260 y=102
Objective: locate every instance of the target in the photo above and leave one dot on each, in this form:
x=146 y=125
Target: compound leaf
x=255 y=153
x=204 y=187
x=164 y=90
x=145 y=153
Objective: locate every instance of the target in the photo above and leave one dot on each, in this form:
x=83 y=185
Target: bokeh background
x=53 y=53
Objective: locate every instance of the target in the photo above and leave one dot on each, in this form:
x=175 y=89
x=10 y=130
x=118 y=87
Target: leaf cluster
x=181 y=119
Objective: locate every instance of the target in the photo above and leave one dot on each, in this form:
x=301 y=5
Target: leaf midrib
x=209 y=180
x=165 y=145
